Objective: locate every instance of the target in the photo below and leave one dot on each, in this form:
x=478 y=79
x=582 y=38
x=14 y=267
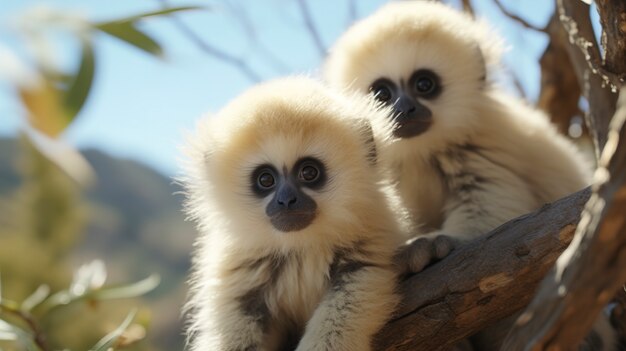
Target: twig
x=308 y=21
x=208 y=49
x=242 y=17
x=467 y=7
x=38 y=335
x=352 y=11
x=517 y=18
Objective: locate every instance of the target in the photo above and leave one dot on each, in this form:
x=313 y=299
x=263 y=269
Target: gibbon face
x=421 y=58
x=285 y=159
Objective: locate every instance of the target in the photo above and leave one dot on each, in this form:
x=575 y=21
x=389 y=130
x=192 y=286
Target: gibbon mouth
x=409 y=128
x=292 y=221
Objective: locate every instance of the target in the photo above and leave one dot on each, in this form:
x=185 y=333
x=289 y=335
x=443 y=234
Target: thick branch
x=589 y=272
x=486 y=280
x=613 y=20
x=560 y=91
x=583 y=52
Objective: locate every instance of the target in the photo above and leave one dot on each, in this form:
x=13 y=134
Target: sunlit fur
x=488 y=157
x=477 y=131
x=253 y=286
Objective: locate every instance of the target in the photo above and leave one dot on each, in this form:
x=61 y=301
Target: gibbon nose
x=287 y=196
x=405 y=106
x=408 y=109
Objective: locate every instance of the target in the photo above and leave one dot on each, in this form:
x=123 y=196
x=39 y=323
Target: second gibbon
x=466 y=157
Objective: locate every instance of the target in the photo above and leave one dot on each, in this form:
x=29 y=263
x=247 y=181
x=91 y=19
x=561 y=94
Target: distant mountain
x=135 y=225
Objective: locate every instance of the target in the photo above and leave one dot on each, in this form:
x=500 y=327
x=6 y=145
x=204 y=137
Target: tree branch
x=589 y=272
x=613 y=20
x=517 y=18
x=560 y=91
x=583 y=51
x=308 y=21
x=232 y=60
x=485 y=281
x=467 y=7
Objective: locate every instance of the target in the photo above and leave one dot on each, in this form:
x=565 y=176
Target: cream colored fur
x=256 y=288
x=520 y=160
x=488 y=157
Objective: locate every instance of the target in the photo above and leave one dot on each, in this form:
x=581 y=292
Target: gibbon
x=296 y=238
x=466 y=157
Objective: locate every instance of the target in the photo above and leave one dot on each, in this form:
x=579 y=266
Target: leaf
x=108 y=340
x=11 y=332
x=37 y=297
x=126 y=31
x=78 y=90
x=126 y=291
x=155 y=13
x=90 y=276
x=7 y=331
x=45 y=111
x=65 y=156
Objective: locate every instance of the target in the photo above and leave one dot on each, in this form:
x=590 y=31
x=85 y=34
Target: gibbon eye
x=309 y=173
x=382 y=90
x=266 y=180
x=425 y=83
x=263 y=180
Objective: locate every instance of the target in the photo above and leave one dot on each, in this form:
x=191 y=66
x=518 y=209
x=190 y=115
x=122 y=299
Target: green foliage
x=128 y=217
x=21 y=322
x=55 y=101
x=45 y=216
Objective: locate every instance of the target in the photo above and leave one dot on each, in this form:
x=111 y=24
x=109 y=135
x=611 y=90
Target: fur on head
x=403 y=37
x=279 y=123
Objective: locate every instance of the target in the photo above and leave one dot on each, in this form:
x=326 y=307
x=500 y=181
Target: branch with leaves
x=19 y=321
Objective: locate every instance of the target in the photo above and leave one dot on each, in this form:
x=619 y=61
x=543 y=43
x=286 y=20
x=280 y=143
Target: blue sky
x=140 y=106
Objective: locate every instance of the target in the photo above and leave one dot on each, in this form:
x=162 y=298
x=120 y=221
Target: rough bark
x=584 y=53
x=589 y=272
x=560 y=92
x=488 y=279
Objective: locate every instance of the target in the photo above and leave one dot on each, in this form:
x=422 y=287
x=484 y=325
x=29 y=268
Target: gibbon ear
x=483 y=64
x=368 y=136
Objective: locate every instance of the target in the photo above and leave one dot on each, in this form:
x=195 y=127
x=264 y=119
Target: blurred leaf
x=63 y=155
x=88 y=277
x=80 y=85
x=7 y=331
x=45 y=110
x=37 y=297
x=65 y=297
x=11 y=332
x=126 y=31
x=107 y=341
x=156 y=13
x=126 y=291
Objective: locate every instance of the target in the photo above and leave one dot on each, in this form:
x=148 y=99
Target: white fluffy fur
x=488 y=157
x=254 y=286
x=477 y=131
